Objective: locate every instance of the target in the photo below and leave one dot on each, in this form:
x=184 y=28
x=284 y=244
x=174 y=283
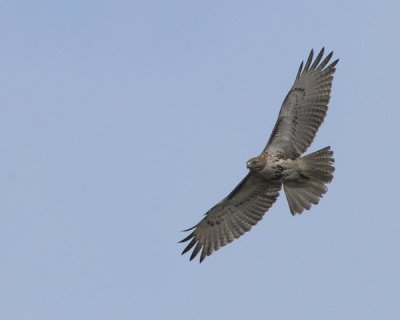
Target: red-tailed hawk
x=304 y=179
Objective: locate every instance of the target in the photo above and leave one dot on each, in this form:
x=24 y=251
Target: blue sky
x=123 y=122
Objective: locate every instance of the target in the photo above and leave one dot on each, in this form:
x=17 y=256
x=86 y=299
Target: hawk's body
x=304 y=178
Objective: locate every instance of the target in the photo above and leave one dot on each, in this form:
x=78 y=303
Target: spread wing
x=304 y=108
x=233 y=216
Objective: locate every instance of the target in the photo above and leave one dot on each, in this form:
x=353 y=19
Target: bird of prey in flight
x=304 y=179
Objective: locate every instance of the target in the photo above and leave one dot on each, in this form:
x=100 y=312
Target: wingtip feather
x=318 y=59
x=325 y=61
x=203 y=254
x=334 y=63
x=189 y=246
x=300 y=70
x=190 y=236
x=308 y=63
x=186 y=230
x=195 y=251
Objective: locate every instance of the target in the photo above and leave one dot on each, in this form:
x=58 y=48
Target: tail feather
x=314 y=172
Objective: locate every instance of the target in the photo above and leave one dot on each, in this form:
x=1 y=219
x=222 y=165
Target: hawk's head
x=257 y=163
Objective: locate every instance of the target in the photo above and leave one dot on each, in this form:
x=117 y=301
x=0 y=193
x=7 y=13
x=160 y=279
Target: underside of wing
x=233 y=216
x=304 y=107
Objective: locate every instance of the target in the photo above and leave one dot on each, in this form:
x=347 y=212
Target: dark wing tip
x=300 y=70
x=190 y=236
x=318 y=59
x=330 y=69
x=189 y=246
x=317 y=64
x=203 y=254
x=189 y=229
x=334 y=63
x=308 y=63
x=325 y=61
x=195 y=251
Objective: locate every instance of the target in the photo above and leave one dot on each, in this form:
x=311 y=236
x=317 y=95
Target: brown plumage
x=304 y=179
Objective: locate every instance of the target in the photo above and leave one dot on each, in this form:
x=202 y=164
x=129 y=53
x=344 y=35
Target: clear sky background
x=123 y=122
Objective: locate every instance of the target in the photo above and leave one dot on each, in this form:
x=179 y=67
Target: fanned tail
x=316 y=170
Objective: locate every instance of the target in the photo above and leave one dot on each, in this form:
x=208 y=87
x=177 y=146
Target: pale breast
x=276 y=167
